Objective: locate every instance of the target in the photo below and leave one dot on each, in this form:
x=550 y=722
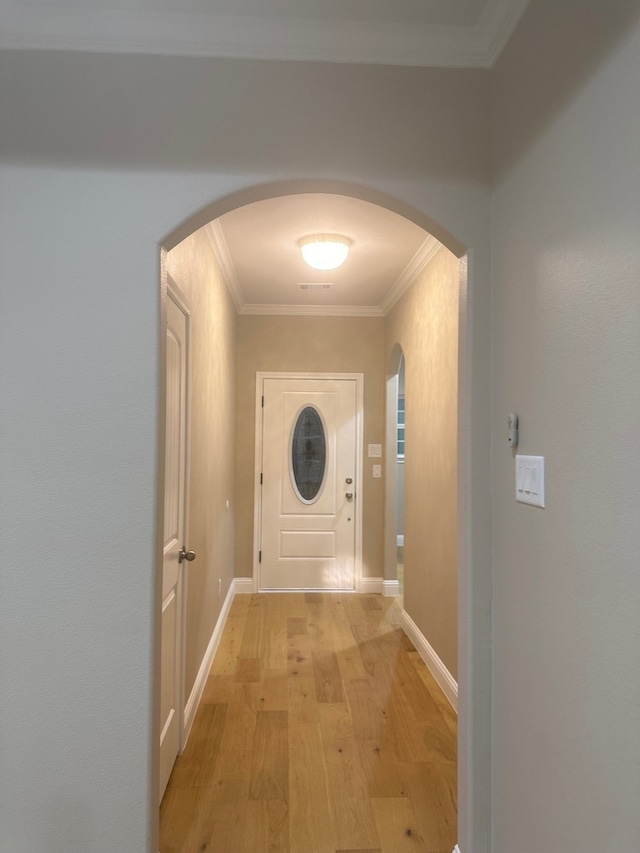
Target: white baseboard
x=456 y=849
x=370 y=585
x=400 y=539
x=203 y=673
x=390 y=588
x=243 y=586
x=439 y=671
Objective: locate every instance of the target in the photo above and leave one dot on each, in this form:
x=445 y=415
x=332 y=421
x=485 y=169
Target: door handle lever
x=186 y=555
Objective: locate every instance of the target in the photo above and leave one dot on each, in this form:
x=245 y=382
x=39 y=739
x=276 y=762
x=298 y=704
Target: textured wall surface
x=566 y=354
x=321 y=344
x=425 y=324
x=210 y=534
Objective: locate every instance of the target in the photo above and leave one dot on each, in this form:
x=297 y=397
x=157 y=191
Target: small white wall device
x=512 y=421
x=530 y=480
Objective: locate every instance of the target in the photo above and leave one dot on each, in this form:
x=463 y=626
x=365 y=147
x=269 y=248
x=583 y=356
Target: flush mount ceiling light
x=324 y=251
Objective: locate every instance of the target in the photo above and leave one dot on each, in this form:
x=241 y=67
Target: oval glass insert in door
x=308 y=455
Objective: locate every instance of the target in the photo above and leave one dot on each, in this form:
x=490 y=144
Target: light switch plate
x=530 y=480
x=377 y=471
x=375 y=451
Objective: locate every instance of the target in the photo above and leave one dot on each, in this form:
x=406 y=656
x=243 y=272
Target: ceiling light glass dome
x=324 y=251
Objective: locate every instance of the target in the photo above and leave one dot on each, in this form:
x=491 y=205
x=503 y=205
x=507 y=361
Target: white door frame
x=391 y=483
x=257 y=495
x=174 y=292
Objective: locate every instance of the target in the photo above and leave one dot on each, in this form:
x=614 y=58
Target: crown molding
x=175 y=33
x=416 y=265
x=215 y=233
x=498 y=21
x=313 y=310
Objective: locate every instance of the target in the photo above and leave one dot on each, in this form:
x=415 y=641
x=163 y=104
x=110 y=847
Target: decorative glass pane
x=400 y=436
x=308 y=454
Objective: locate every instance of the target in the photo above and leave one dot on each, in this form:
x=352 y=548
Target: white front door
x=309 y=473
x=174 y=537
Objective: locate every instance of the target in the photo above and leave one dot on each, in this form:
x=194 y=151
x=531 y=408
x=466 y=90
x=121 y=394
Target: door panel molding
x=176 y=484
x=261 y=376
x=175 y=293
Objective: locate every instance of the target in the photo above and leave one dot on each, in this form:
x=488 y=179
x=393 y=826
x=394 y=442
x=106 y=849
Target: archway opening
x=230 y=203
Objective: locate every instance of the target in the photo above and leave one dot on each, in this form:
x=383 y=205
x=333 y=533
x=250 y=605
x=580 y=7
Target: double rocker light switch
x=530 y=480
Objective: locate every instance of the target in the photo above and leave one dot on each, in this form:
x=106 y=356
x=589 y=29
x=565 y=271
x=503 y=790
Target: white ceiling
x=257 y=247
x=448 y=33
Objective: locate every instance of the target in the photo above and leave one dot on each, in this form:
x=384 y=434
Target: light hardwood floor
x=320 y=731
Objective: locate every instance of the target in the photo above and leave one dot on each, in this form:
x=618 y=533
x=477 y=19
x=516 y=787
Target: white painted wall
x=566 y=357
x=103 y=157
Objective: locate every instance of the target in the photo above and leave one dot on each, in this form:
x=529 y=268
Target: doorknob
x=348 y=481
x=348 y=495
x=186 y=555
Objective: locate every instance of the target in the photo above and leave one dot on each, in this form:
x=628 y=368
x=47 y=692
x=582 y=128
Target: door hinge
x=260 y=479
x=263 y=401
x=259 y=556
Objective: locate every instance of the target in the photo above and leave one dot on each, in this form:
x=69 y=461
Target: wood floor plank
x=221 y=825
x=350 y=663
x=432 y=788
x=224 y=662
x=339 y=638
x=247 y=670
x=397 y=826
x=310 y=819
x=270 y=693
x=270 y=757
x=220 y=689
x=328 y=680
x=254 y=631
x=299 y=655
x=406 y=734
x=303 y=707
x=266 y=827
x=414 y=691
x=353 y=611
x=196 y=766
x=180 y=819
x=374 y=744
x=369 y=602
x=314 y=598
x=350 y=803
x=448 y=713
x=296 y=625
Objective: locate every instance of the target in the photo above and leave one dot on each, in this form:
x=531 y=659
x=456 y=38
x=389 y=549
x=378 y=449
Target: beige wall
x=193 y=266
x=425 y=324
x=327 y=344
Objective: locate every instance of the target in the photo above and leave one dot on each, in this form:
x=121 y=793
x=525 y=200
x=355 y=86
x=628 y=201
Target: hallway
x=320 y=731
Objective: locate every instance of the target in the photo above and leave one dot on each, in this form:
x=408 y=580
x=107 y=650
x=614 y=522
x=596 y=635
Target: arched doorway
x=266 y=191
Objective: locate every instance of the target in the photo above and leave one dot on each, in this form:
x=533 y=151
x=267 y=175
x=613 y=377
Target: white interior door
x=174 y=537
x=308 y=501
